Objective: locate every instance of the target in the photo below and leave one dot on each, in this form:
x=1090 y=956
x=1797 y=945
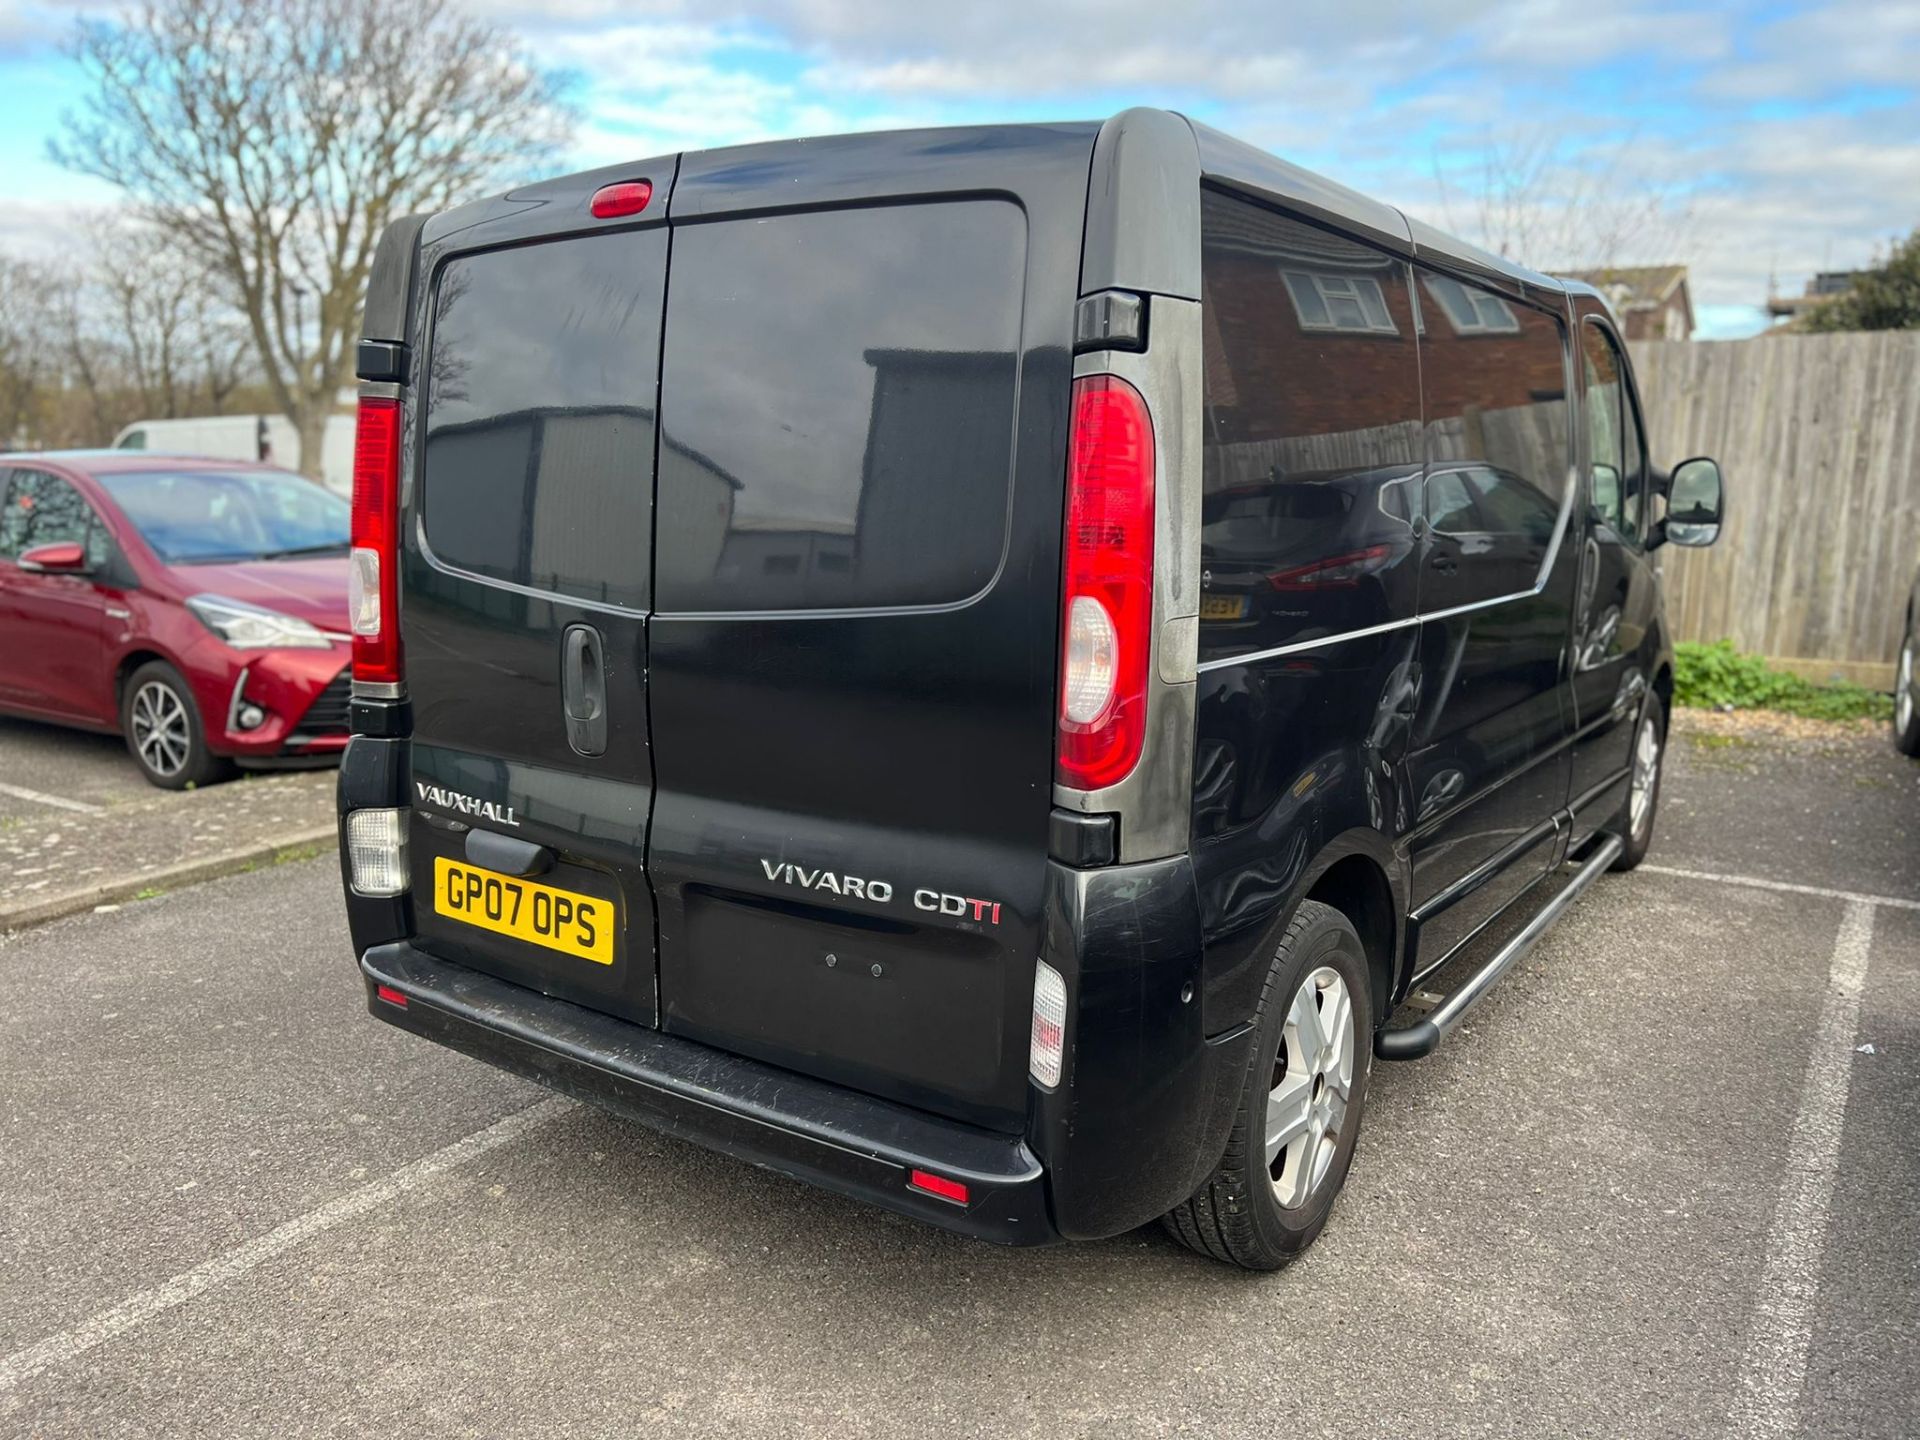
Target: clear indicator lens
x=1093 y=661
x=377 y=851
x=363 y=591
x=1049 y=1024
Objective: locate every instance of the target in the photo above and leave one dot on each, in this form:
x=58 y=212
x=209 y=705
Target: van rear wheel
x=1300 y=1105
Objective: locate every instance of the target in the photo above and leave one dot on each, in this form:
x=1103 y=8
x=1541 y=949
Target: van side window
x=1498 y=441
x=538 y=465
x=1617 y=453
x=1311 y=453
x=133 y=440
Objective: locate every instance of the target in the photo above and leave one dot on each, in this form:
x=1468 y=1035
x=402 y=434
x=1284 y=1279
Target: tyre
x=1300 y=1104
x=1635 y=822
x=163 y=730
x=1906 y=714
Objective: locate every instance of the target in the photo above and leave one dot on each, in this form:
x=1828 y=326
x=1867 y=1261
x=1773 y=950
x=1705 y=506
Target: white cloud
x=1371 y=92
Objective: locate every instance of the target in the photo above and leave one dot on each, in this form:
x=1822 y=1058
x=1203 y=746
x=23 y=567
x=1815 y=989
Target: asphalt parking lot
x=1655 y=1187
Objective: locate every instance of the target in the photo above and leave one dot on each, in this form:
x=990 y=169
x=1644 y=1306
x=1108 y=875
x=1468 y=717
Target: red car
x=198 y=607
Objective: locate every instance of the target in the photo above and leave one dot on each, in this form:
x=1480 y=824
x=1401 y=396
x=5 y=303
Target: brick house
x=1653 y=302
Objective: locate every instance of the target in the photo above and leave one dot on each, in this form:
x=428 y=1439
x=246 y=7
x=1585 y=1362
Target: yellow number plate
x=576 y=925
x=1222 y=607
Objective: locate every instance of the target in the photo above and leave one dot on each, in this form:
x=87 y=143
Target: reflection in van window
x=838 y=405
x=1613 y=436
x=1499 y=442
x=539 y=453
x=1312 y=442
x=1471 y=310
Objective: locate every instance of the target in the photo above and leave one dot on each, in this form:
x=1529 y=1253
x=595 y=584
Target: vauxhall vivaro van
x=976 y=667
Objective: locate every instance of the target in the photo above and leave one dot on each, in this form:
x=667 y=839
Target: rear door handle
x=583 y=689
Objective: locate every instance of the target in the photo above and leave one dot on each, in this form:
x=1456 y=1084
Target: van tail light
x=377 y=852
x=373 y=586
x=1046 y=1054
x=1107 y=601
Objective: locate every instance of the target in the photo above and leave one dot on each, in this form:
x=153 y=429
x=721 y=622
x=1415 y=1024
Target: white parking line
x=138 y=1309
x=40 y=797
x=1775 y=1367
x=1754 y=882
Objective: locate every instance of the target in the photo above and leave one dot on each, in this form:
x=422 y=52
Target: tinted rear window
x=539 y=451
x=838 y=406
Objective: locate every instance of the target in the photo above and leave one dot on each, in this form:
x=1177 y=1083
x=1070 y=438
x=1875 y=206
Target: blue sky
x=1747 y=140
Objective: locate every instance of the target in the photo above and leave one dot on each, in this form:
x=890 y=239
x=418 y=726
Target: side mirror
x=65 y=557
x=1696 y=503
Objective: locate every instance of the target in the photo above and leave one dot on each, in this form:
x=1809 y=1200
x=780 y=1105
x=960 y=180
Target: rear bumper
x=832 y=1137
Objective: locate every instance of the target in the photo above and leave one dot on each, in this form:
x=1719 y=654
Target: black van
x=976 y=667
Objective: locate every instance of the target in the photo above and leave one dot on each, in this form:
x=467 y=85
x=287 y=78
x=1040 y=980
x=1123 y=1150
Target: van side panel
x=852 y=665
x=1490 y=755
x=1309 y=651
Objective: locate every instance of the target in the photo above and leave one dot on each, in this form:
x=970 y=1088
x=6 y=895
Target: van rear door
x=864 y=406
x=526 y=577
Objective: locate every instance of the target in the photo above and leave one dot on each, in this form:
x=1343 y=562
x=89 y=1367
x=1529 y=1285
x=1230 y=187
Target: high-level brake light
x=1107 y=599
x=623 y=197
x=372 y=580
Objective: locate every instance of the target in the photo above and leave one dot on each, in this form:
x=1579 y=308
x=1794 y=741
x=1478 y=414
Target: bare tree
x=1540 y=199
x=275 y=139
x=24 y=367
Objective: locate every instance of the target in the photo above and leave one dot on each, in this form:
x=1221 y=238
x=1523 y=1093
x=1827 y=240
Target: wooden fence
x=1819 y=439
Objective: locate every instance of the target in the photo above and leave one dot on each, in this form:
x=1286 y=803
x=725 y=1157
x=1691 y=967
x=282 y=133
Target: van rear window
x=837 y=403
x=538 y=466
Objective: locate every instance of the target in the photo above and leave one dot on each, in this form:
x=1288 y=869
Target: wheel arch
x=1361 y=874
x=1357 y=885
x=132 y=660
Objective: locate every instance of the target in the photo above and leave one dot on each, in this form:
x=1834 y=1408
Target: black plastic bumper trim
x=839 y=1139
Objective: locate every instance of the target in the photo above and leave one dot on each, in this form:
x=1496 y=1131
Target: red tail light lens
x=1107 y=602
x=625 y=197
x=373 y=587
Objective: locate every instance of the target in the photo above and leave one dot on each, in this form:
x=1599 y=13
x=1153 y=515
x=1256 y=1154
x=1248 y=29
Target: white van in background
x=241 y=437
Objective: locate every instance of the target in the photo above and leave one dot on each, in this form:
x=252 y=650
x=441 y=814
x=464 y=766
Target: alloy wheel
x=1312 y=1082
x=1646 y=777
x=1903 y=688
x=161 y=733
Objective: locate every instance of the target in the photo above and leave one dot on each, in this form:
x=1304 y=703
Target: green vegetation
x=150 y=892
x=1716 y=676
x=1887 y=297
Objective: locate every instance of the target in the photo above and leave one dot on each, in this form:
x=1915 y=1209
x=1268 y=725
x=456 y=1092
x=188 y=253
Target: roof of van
x=1236 y=165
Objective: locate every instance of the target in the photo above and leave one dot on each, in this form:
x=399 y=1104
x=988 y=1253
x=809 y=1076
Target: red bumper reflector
x=390 y=995
x=938 y=1185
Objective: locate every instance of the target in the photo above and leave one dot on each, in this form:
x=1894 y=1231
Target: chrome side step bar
x=1411 y=1042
